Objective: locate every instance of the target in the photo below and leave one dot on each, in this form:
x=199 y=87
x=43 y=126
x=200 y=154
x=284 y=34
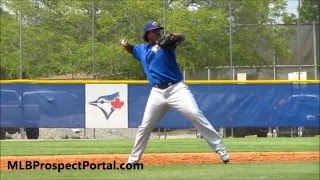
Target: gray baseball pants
x=178 y=97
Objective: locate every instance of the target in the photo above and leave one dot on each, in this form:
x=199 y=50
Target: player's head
x=152 y=30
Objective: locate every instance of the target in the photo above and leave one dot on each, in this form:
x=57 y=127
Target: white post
x=22 y=131
x=230 y=41
x=315 y=50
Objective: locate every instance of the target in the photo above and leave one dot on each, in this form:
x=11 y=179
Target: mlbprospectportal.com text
x=80 y=165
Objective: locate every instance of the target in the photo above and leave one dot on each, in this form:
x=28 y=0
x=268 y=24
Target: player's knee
x=194 y=113
x=144 y=131
x=145 y=127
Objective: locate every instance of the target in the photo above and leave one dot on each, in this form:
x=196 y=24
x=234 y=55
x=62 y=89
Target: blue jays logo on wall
x=113 y=99
x=106 y=106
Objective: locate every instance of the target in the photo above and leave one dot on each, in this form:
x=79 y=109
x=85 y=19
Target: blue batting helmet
x=151 y=25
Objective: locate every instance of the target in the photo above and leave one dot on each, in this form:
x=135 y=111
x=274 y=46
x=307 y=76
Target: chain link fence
x=76 y=40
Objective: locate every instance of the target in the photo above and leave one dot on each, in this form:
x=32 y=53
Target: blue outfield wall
x=225 y=105
x=42 y=105
x=240 y=105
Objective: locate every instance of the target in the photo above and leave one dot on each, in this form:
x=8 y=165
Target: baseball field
x=251 y=158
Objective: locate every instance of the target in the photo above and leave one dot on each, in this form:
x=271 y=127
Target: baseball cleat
x=224 y=155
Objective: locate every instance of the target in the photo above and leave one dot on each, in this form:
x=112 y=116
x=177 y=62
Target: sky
x=292 y=6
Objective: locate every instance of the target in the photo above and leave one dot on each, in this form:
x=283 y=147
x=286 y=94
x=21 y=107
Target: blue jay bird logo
x=104 y=102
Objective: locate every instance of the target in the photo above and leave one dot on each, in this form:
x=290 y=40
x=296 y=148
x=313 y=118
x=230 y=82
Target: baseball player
x=158 y=59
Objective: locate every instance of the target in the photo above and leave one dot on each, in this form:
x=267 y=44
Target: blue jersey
x=160 y=65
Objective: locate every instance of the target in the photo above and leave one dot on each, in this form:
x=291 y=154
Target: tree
x=252 y=32
x=58 y=37
x=9 y=46
x=309 y=11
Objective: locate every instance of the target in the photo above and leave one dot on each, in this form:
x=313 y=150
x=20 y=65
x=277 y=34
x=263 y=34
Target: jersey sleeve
x=137 y=52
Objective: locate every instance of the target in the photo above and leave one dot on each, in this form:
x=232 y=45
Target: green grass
x=301 y=170
x=306 y=170
x=54 y=147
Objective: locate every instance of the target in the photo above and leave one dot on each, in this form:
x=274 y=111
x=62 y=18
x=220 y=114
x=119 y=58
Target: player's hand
x=124 y=42
x=174 y=37
x=178 y=37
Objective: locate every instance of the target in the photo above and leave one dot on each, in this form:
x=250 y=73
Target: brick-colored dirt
x=172 y=158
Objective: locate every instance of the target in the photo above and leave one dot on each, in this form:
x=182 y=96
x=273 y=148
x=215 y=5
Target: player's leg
x=155 y=109
x=184 y=102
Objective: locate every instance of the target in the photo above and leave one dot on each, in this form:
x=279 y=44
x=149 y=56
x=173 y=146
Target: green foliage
x=309 y=11
x=57 y=36
x=9 y=46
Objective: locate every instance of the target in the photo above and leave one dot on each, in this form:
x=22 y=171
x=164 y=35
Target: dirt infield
x=172 y=158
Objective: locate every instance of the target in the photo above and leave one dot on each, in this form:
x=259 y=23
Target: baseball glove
x=167 y=41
